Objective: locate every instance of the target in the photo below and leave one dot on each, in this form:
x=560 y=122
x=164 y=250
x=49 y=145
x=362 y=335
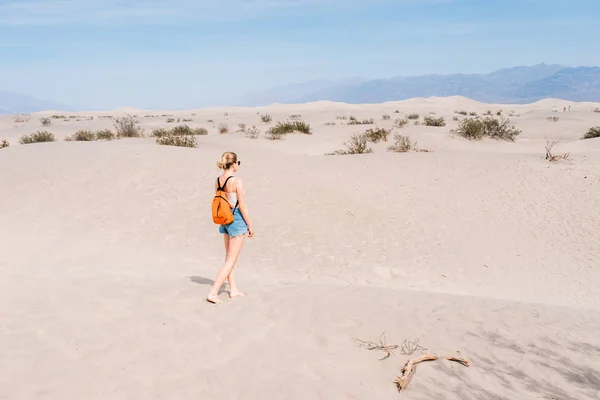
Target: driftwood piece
x=402 y=381
x=459 y=360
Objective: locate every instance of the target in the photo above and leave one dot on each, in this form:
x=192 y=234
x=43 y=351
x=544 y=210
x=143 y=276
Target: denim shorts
x=237 y=227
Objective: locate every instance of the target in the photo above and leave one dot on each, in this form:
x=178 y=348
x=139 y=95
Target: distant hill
x=12 y=103
x=524 y=84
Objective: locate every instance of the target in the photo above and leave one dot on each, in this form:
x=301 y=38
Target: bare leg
x=233 y=289
x=233 y=251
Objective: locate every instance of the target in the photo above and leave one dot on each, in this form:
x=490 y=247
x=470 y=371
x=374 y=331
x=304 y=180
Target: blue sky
x=182 y=53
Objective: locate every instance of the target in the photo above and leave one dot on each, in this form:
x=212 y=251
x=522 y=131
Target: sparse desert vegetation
x=330 y=123
x=253 y=132
x=413 y=116
x=283 y=128
x=553 y=119
x=592 y=133
x=179 y=130
x=45 y=121
x=266 y=118
x=462 y=112
x=177 y=140
x=128 y=127
x=597 y=110
x=400 y=122
x=105 y=134
x=4 y=144
x=37 y=137
x=434 y=121
x=472 y=113
x=223 y=129
x=295 y=117
x=495 y=128
x=358 y=144
x=82 y=136
x=386 y=117
x=402 y=144
x=241 y=128
x=353 y=121
x=341 y=117
x=377 y=135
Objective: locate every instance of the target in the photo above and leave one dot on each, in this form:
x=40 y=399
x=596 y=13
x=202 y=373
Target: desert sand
x=477 y=249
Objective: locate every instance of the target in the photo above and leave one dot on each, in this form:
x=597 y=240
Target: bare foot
x=213 y=299
x=236 y=294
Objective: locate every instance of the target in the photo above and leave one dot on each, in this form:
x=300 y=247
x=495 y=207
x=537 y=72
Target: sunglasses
x=239 y=163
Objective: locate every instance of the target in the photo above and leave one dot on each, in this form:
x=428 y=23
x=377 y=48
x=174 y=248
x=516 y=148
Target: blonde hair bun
x=227 y=160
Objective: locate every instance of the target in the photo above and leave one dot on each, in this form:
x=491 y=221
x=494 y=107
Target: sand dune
x=482 y=249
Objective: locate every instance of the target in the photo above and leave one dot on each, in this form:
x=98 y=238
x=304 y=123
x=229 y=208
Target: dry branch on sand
x=402 y=381
x=551 y=156
x=408 y=347
x=381 y=346
x=462 y=361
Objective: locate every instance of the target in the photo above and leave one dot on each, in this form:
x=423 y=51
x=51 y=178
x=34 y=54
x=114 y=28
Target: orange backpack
x=221 y=210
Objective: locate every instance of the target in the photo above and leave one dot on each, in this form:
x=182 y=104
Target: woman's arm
x=239 y=189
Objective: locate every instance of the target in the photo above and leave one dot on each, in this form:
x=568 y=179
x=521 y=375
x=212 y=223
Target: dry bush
x=597 y=110
x=4 y=144
x=128 y=127
x=19 y=118
x=179 y=130
x=495 y=128
x=105 y=134
x=553 y=119
x=397 y=112
x=209 y=120
x=81 y=136
x=433 y=121
x=592 y=133
x=341 y=117
x=400 y=122
x=358 y=144
x=473 y=114
x=462 y=112
x=58 y=117
x=386 y=117
x=381 y=346
x=170 y=120
x=159 y=132
x=253 y=132
x=329 y=123
x=46 y=121
x=550 y=156
x=295 y=117
x=266 y=118
x=241 y=128
x=186 y=120
x=455 y=118
x=402 y=144
x=417 y=122
x=413 y=116
x=178 y=140
x=354 y=121
x=223 y=129
x=38 y=137
x=274 y=134
x=377 y=135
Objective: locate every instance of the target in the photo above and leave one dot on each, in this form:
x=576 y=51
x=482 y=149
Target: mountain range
x=523 y=84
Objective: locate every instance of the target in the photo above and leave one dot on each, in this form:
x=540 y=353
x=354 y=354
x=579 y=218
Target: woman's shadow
x=209 y=282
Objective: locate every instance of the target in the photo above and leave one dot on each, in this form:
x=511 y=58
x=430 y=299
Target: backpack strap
x=219 y=187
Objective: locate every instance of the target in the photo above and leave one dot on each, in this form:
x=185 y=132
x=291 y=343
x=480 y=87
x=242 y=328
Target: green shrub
x=128 y=127
x=266 y=118
x=81 y=136
x=38 y=137
x=495 y=128
x=4 y=144
x=377 y=135
x=402 y=144
x=413 y=116
x=358 y=144
x=592 y=133
x=433 y=121
x=177 y=140
x=105 y=134
x=283 y=128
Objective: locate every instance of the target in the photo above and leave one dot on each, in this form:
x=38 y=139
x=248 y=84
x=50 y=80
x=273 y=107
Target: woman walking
x=234 y=232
